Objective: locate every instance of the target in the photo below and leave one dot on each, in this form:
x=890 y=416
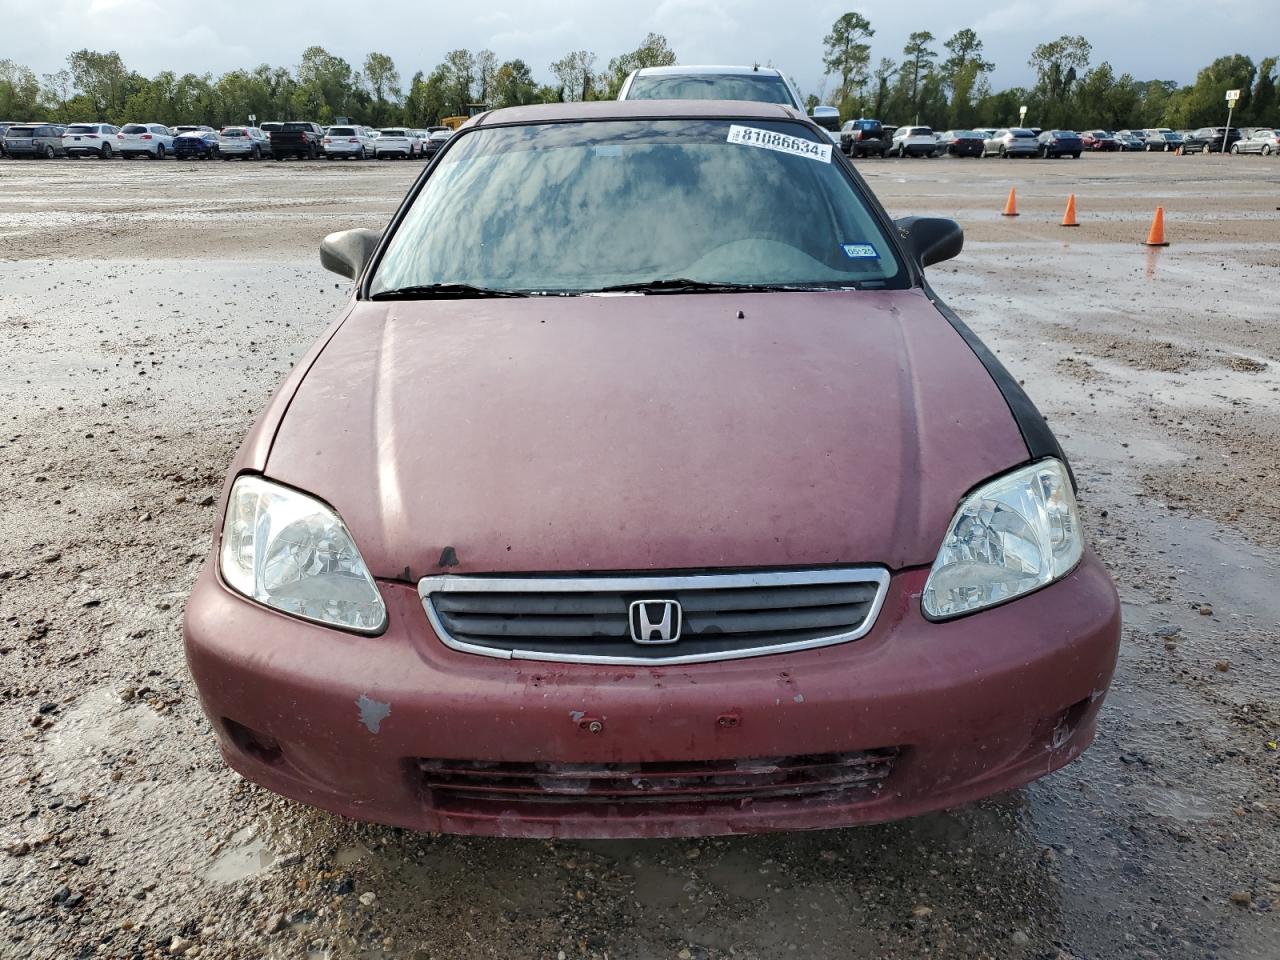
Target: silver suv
x=352 y=142
x=43 y=140
x=1011 y=142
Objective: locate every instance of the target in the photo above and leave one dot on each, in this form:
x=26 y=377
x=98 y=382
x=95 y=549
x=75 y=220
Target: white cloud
x=1170 y=39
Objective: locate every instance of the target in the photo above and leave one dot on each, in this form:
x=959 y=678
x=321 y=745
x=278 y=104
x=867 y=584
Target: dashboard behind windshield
x=577 y=207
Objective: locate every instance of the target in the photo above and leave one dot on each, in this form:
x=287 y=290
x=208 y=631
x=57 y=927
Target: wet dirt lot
x=150 y=309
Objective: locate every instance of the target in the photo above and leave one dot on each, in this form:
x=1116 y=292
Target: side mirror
x=828 y=118
x=348 y=252
x=931 y=239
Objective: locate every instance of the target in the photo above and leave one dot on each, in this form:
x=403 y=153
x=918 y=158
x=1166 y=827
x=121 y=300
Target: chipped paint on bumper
x=978 y=706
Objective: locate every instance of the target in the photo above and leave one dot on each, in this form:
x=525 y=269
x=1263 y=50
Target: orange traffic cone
x=1069 y=218
x=1011 y=206
x=1156 y=237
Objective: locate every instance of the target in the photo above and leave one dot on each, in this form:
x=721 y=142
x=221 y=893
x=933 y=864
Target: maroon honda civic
x=644 y=488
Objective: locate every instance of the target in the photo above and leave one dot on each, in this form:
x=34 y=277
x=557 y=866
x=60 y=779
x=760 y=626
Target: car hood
x=645 y=432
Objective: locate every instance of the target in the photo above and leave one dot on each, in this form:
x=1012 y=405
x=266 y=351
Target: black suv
x=864 y=137
x=1209 y=140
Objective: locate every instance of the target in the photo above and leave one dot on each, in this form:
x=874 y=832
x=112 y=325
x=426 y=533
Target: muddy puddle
x=244 y=856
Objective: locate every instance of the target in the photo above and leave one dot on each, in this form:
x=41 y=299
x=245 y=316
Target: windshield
x=577 y=207
x=20 y=131
x=134 y=128
x=759 y=87
x=294 y=127
x=394 y=133
x=81 y=128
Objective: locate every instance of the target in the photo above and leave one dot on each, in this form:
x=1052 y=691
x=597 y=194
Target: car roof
x=712 y=69
x=637 y=110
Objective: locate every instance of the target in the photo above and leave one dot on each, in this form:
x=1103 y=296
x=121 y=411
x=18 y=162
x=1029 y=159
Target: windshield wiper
x=445 y=291
x=683 y=285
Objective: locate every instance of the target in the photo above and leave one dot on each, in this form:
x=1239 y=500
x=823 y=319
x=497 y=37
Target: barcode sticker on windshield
x=769 y=140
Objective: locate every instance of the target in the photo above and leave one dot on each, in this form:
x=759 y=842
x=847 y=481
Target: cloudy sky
x=1168 y=39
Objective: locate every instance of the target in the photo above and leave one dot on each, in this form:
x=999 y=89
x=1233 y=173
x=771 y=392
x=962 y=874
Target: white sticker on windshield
x=860 y=251
x=781 y=142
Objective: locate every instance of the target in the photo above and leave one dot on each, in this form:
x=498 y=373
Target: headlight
x=1016 y=534
x=290 y=552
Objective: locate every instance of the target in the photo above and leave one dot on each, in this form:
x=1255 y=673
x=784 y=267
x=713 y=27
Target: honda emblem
x=655 y=621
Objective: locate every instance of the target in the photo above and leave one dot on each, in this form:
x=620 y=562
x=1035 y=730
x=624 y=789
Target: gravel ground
x=149 y=310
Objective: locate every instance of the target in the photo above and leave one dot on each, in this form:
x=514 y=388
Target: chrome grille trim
x=655 y=585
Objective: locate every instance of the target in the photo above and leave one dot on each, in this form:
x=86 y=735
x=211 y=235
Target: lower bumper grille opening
x=654 y=786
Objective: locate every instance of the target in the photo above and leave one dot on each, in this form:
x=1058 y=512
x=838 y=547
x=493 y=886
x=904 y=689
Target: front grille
x=590 y=619
x=828 y=777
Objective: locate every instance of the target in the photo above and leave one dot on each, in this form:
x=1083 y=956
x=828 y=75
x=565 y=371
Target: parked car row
x=1261 y=140
x=870 y=138
x=300 y=139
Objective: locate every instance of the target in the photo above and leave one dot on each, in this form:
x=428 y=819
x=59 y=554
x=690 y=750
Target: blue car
x=1060 y=143
x=196 y=145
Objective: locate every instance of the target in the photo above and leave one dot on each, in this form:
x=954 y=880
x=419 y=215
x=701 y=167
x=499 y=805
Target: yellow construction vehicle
x=473 y=110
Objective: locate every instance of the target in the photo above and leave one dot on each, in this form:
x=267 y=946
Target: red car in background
x=1099 y=140
x=645 y=488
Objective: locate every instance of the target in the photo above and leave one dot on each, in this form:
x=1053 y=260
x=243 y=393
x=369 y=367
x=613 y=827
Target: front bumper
x=971 y=707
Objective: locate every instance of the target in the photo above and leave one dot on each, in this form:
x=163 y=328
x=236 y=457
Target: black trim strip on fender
x=1040 y=440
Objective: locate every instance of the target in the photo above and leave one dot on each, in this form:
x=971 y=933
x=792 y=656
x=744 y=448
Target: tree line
x=97 y=86
x=945 y=85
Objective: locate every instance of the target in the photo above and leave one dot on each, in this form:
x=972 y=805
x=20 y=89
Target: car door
x=47 y=136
